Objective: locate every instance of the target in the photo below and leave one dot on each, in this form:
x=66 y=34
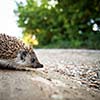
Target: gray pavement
x=60 y=79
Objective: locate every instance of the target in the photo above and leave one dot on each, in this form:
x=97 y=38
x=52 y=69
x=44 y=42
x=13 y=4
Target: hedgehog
x=15 y=54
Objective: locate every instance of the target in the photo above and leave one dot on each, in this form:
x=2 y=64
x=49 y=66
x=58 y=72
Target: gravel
x=68 y=74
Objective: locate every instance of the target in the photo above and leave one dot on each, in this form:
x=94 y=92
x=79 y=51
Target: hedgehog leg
x=4 y=65
x=10 y=66
x=7 y=65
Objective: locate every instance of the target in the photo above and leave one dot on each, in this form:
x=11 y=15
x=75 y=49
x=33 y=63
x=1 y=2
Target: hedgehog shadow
x=11 y=68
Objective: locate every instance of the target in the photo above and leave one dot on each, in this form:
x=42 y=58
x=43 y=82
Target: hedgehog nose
x=39 y=66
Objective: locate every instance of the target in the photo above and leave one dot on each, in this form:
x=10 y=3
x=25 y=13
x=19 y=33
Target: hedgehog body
x=15 y=54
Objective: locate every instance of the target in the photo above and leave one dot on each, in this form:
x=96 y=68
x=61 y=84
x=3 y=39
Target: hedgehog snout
x=38 y=65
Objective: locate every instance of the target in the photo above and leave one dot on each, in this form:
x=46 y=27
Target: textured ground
x=67 y=75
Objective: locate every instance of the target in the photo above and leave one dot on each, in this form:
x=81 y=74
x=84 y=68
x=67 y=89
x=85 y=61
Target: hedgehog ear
x=23 y=54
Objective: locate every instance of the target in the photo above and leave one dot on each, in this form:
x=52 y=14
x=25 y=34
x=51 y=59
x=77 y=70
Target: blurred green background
x=60 y=23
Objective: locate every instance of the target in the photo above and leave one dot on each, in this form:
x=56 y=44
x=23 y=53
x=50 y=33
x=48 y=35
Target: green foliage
x=63 y=25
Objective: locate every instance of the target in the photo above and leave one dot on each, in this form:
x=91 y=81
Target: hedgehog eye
x=32 y=60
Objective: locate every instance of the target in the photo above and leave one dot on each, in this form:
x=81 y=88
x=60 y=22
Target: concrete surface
x=60 y=79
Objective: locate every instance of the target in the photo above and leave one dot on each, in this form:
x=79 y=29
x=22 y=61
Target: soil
x=68 y=74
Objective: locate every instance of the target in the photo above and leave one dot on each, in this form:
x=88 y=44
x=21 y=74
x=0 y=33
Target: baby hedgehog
x=14 y=54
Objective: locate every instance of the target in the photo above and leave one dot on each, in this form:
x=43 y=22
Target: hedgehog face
x=28 y=59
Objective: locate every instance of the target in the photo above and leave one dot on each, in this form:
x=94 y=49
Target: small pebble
x=98 y=74
x=57 y=97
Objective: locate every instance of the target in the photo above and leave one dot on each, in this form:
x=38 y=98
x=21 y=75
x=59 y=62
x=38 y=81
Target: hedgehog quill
x=14 y=54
